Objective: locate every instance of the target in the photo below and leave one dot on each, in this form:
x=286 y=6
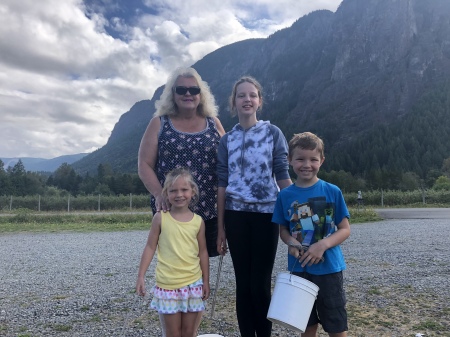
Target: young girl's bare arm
x=204 y=260
x=148 y=253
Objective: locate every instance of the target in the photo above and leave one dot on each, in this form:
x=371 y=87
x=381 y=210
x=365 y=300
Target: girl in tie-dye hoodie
x=252 y=167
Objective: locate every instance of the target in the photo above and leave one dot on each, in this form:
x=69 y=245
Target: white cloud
x=64 y=82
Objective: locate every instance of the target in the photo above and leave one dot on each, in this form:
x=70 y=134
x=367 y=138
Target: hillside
x=41 y=164
x=371 y=79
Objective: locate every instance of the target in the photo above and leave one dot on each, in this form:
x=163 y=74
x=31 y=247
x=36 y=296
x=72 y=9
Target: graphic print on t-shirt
x=312 y=221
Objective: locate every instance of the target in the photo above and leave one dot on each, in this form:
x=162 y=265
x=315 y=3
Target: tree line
x=16 y=181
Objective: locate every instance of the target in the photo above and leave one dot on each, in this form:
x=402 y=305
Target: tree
x=17 y=177
x=5 y=186
x=139 y=187
x=431 y=177
x=442 y=183
x=65 y=178
x=88 y=184
x=409 y=181
x=103 y=171
x=446 y=167
x=102 y=189
x=34 y=184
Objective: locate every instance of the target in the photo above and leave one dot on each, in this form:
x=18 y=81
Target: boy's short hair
x=307 y=141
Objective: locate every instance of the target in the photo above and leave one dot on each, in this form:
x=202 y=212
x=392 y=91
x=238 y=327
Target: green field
x=28 y=221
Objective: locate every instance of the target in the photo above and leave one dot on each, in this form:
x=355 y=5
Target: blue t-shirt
x=312 y=214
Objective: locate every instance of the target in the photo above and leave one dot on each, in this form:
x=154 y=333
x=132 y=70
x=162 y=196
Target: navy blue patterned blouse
x=196 y=152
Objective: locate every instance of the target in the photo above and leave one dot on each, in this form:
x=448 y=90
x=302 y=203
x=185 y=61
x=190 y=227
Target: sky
x=69 y=69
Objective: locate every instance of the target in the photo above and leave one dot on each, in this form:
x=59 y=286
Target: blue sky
x=69 y=69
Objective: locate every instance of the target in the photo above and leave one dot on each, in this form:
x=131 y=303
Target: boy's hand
x=313 y=255
x=295 y=249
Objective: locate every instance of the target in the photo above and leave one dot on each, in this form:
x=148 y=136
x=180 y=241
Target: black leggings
x=211 y=236
x=252 y=239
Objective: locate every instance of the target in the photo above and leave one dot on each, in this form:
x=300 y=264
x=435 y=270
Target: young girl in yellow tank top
x=182 y=270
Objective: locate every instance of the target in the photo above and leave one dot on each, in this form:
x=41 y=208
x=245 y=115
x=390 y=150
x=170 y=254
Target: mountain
x=41 y=164
x=372 y=79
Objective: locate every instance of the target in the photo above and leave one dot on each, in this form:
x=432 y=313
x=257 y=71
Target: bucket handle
x=291 y=271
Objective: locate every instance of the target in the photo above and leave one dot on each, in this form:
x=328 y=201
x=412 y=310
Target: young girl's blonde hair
x=181 y=172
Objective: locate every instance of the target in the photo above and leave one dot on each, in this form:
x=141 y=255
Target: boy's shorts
x=329 y=307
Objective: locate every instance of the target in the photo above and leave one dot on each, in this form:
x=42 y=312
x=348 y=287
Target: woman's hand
x=161 y=204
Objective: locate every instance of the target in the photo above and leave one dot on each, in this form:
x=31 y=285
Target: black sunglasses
x=183 y=90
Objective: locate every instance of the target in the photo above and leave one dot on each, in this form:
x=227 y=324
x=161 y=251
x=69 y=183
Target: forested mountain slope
x=371 y=79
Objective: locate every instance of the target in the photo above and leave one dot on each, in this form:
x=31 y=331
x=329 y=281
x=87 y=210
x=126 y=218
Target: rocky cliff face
x=337 y=74
x=381 y=56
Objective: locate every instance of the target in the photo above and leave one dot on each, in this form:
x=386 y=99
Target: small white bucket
x=210 y=335
x=292 y=301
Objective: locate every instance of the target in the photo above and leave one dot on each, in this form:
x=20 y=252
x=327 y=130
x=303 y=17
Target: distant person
x=182 y=271
x=184 y=132
x=252 y=167
x=313 y=219
x=360 y=198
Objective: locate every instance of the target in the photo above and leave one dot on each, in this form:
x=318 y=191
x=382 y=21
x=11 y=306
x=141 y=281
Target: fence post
x=423 y=196
x=99 y=202
x=382 y=198
x=10 y=204
x=131 y=202
x=68 y=204
x=39 y=203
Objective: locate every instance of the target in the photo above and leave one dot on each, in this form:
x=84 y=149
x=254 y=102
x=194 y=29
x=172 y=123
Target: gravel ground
x=82 y=284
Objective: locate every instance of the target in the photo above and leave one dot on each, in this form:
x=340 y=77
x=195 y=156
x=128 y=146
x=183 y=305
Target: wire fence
x=71 y=203
x=388 y=198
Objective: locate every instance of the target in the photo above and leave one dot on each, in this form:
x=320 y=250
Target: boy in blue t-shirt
x=313 y=219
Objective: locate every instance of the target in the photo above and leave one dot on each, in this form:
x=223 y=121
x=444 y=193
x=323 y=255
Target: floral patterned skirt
x=184 y=299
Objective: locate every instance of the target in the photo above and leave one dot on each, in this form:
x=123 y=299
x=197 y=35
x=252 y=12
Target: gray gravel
x=82 y=284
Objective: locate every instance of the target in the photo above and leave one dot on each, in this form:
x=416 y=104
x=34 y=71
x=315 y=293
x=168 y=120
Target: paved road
x=414 y=213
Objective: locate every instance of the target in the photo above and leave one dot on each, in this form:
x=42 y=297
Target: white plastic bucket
x=210 y=335
x=292 y=301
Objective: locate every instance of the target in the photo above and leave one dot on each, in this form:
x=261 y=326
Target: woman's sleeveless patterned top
x=198 y=153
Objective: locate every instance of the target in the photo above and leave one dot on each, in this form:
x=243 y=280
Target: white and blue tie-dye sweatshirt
x=249 y=164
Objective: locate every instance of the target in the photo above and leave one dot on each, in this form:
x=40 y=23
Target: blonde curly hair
x=166 y=106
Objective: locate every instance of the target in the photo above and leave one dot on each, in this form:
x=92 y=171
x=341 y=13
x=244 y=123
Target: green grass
x=363 y=215
x=429 y=325
x=28 y=221
x=62 y=327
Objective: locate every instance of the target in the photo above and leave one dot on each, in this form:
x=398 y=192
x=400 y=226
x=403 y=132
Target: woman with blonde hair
x=184 y=132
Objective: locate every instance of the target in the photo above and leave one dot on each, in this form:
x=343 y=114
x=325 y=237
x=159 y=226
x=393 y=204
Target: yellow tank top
x=178 y=261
